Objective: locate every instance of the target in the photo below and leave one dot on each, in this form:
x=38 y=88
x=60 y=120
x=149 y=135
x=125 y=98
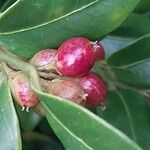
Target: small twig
x=10 y=59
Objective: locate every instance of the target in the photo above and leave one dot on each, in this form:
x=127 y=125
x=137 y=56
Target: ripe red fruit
x=43 y=57
x=66 y=89
x=75 y=57
x=22 y=91
x=99 y=51
x=95 y=87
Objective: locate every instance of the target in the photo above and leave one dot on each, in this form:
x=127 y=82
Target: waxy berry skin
x=43 y=57
x=22 y=91
x=99 y=51
x=75 y=57
x=66 y=89
x=95 y=87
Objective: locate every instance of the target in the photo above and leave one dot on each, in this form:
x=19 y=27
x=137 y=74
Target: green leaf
x=112 y=44
x=9 y=128
x=28 y=120
x=78 y=128
x=129 y=112
x=48 y=23
x=135 y=26
x=131 y=64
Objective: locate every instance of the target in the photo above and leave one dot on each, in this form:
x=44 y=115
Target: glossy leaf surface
x=9 y=127
x=113 y=44
x=135 y=26
x=42 y=24
x=129 y=112
x=131 y=64
x=78 y=128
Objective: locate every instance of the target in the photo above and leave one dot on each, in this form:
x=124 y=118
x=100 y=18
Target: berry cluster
x=66 y=73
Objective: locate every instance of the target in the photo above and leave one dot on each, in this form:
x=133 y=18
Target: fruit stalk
x=9 y=58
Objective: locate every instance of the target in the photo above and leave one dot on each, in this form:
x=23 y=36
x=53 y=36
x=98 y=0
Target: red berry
x=95 y=87
x=75 y=57
x=99 y=51
x=43 y=57
x=22 y=91
x=66 y=89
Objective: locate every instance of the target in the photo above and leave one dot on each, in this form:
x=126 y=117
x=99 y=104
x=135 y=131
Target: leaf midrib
x=128 y=115
x=54 y=20
x=96 y=118
x=67 y=129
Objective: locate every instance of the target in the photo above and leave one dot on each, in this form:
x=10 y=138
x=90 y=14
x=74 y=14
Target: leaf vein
x=129 y=115
x=68 y=130
x=54 y=20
